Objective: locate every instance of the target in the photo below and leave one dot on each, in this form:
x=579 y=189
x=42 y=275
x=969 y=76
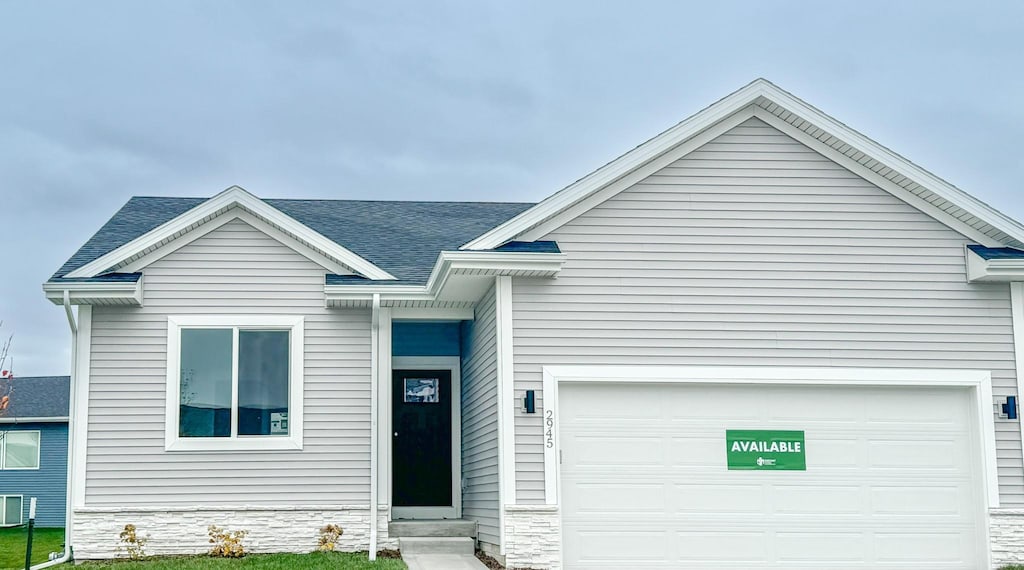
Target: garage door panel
x=624 y=546
x=616 y=450
x=698 y=546
x=815 y=499
x=820 y=547
x=716 y=498
x=907 y=500
x=888 y=470
x=617 y=498
x=908 y=453
x=923 y=547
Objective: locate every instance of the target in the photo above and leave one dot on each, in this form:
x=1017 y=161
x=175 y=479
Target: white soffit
x=234 y=197
x=890 y=171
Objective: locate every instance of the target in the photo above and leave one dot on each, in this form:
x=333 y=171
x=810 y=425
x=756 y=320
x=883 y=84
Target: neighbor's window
x=236 y=383
x=19 y=450
x=10 y=510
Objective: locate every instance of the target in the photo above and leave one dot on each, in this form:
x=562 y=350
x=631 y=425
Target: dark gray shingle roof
x=39 y=397
x=403 y=238
x=996 y=252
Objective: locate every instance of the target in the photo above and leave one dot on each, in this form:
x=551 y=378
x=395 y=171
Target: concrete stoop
x=439 y=553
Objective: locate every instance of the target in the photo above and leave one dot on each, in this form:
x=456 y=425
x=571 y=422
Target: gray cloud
x=446 y=100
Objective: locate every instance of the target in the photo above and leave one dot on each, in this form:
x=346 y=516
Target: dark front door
x=422 y=446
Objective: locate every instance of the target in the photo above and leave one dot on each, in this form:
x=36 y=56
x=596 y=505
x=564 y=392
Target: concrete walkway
x=443 y=562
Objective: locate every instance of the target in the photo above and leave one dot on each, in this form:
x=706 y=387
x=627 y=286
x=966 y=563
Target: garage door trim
x=979 y=383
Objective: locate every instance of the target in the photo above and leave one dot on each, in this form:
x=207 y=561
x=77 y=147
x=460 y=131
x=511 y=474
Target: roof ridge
x=350 y=200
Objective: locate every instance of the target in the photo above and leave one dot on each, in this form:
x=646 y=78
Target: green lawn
x=12 y=545
x=315 y=561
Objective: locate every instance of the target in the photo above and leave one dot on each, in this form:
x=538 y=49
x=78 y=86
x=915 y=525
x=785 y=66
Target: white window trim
x=3 y=510
x=3 y=451
x=172 y=442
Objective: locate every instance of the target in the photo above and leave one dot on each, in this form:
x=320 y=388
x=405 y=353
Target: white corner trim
x=374 y=427
x=750 y=94
x=96 y=293
x=384 y=352
x=506 y=402
x=80 y=407
x=978 y=381
x=233 y=197
x=981 y=270
x=296 y=370
x=1017 y=310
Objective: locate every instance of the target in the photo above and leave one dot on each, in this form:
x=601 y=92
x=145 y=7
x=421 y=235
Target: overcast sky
x=470 y=100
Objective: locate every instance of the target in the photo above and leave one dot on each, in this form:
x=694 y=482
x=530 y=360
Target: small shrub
x=226 y=543
x=329 y=536
x=133 y=545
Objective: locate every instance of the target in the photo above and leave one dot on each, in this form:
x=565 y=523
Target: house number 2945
x=549 y=428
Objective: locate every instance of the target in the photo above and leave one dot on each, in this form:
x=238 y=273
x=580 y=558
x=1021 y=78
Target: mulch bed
x=488 y=561
x=388 y=553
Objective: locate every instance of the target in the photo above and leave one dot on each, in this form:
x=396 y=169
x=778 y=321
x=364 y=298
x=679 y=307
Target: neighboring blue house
x=34 y=451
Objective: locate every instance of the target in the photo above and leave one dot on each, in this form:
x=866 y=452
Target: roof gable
x=762 y=99
x=403 y=238
x=232 y=203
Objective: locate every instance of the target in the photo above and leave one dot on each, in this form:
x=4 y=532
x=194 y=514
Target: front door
x=422 y=444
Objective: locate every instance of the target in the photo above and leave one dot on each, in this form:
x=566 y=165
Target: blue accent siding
x=48 y=484
x=425 y=339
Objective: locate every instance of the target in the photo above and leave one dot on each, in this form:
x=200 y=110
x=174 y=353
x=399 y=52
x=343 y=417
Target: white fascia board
x=91 y=293
x=487 y=263
x=981 y=270
x=234 y=196
x=705 y=119
x=39 y=420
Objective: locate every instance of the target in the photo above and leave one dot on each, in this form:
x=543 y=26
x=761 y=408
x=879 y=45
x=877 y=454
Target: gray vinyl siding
x=480 y=420
x=233 y=270
x=756 y=251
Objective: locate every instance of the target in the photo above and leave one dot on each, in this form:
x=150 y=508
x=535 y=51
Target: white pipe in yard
x=374 y=381
x=72 y=405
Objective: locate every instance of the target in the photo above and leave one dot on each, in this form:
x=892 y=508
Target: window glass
x=206 y=356
x=263 y=382
x=12 y=510
x=21 y=450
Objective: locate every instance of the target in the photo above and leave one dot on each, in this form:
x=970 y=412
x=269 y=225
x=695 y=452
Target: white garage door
x=893 y=478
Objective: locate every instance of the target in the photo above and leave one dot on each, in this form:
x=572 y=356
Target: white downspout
x=374 y=381
x=72 y=406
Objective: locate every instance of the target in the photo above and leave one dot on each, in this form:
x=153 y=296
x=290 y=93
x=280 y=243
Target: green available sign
x=754 y=450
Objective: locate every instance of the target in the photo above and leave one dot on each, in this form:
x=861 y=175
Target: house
x=758 y=339
x=34 y=450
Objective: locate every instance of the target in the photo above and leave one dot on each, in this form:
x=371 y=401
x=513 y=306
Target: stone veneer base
x=183 y=530
x=533 y=537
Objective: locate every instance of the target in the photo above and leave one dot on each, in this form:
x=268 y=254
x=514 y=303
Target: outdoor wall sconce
x=1010 y=408
x=530 y=402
